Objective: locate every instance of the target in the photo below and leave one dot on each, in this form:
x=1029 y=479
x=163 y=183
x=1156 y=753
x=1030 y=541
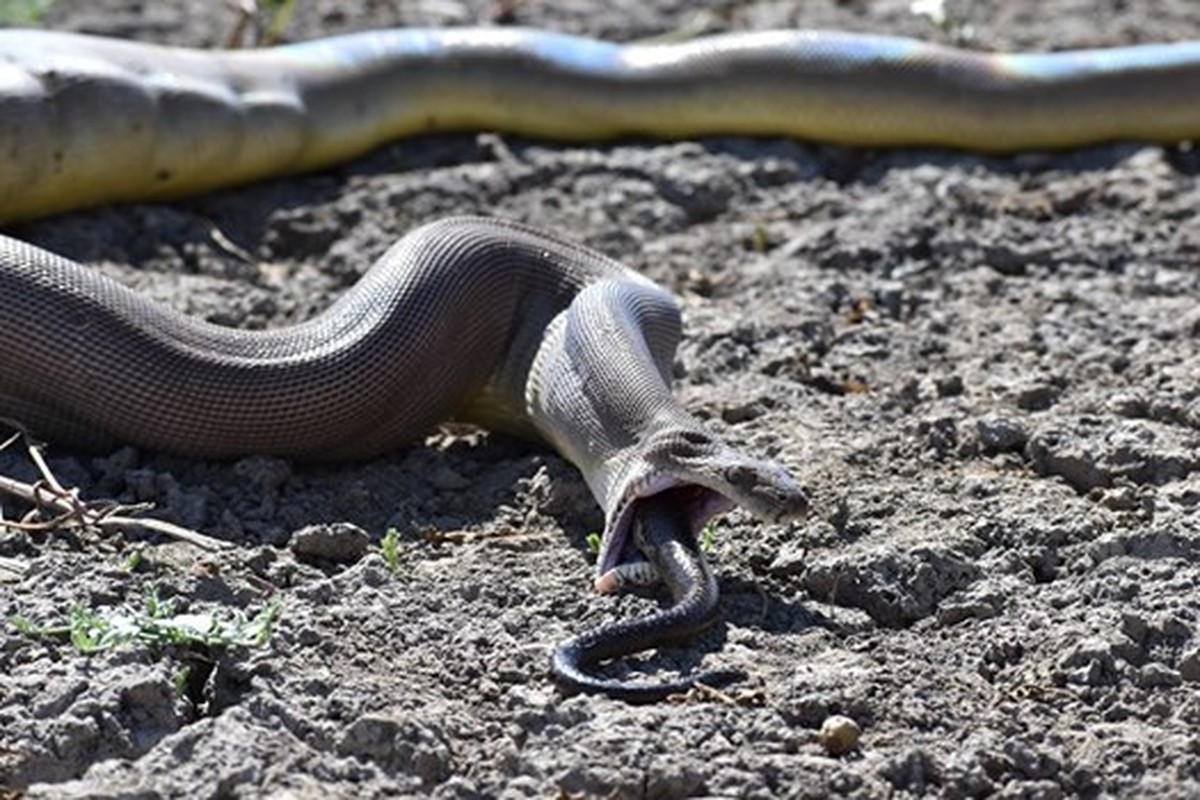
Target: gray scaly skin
x=492 y=322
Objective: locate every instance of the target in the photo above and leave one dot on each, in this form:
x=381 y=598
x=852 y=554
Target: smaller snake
x=661 y=531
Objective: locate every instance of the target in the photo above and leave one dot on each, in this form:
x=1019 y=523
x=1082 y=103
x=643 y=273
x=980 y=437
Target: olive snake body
x=494 y=321
x=87 y=120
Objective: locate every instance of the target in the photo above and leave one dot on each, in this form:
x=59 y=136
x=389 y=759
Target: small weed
x=390 y=546
x=593 y=541
x=132 y=561
x=279 y=16
x=760 y=237
x=182 y=680
x=23 y=12
x=96 y=630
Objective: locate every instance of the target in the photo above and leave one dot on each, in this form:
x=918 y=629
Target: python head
x=701 y=472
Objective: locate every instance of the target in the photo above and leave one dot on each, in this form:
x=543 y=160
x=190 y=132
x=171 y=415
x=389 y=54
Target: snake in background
x=495 y=322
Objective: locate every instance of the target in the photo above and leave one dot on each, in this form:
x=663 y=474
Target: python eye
x=741 y=476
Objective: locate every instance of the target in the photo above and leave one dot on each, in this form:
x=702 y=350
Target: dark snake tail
x=662 y=532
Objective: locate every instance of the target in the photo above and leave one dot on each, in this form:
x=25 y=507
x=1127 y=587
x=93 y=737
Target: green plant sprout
x=23 y=12
x=707 y=539
x=131 y=562
x=96 y=630
x=389 y=545
x=279 y=15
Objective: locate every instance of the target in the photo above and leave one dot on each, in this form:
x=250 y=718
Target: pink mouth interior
x=701 y=503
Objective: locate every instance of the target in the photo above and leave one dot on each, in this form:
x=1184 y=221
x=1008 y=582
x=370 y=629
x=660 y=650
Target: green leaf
x=390 y=546
x=158 y=625
x=131 y=562
x=23 y=12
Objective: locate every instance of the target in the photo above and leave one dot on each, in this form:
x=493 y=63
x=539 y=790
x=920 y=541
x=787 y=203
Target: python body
x=472 y=318
x=494 y=322
x=85 y=120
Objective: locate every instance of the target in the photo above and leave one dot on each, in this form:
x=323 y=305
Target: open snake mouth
x=617 y=548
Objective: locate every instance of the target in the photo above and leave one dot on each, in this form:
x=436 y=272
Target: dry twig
x=68 y=508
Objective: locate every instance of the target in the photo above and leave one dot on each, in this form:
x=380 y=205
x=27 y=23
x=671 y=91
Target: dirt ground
x=986 y=369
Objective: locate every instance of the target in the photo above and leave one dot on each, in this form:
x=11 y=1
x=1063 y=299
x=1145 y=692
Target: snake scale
x=494 y=322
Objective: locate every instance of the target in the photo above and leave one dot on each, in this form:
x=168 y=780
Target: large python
x=86 y=120
x=490 y=321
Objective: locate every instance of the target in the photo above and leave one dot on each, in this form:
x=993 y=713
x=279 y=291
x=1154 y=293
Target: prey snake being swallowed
x=496 y=322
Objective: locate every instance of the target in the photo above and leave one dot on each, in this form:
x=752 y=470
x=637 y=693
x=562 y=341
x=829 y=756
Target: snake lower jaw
x=617 y=550
x=763 y=488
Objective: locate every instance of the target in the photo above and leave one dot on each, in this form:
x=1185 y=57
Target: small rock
x=954 y=613
x=1001 y=434
x=1135 y=626
x=792 y=559
x=1120 y=498
x=1184 y=493
x=339 y=542
x=1089 y=662
x=1129 y=404
x=950 y=386
x=839 y=735
x=1054 y=451
x=1035 y=763
x=890 y=297
x=1037 y=397
x=1158 y=676
x=268 y=473
x=743 y=412
x=1189 y=665
x=913 y=771
x=399 y=744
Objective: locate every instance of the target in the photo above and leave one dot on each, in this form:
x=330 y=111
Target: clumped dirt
x=986 y=369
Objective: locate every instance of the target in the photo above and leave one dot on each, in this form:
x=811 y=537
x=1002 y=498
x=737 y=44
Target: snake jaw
x=617 y=546
x=718 y=476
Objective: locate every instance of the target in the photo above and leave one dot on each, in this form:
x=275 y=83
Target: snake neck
x=599 y=390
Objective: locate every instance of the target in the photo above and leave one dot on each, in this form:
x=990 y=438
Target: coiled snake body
x=490 y=321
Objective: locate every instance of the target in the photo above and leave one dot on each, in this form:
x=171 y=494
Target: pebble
x=340 y=542
x=839 y=735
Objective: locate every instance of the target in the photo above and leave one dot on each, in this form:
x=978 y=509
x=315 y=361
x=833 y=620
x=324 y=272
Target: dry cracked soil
x=987 y=369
